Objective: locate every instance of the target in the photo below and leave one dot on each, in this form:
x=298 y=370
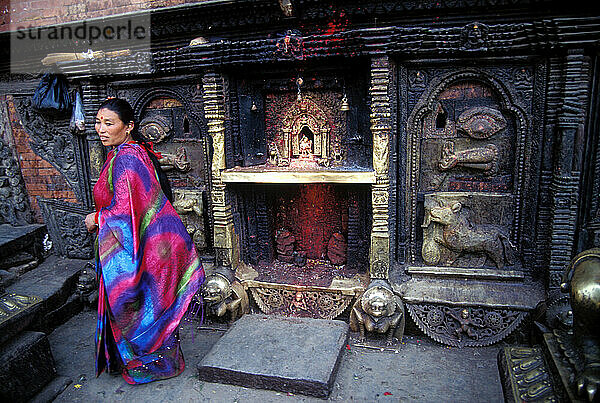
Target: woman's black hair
x=125 y=113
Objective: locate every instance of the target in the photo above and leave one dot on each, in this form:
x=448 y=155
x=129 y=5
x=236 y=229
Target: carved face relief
x=377 y=307
x=216 y=289
x=378 y=302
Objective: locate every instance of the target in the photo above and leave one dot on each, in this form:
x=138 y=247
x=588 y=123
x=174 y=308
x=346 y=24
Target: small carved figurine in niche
x=582 y=281
x=286 y=7
x=222 y=293
x=299 y=258
x=273 y=153
x=466 y=324
x=306 y=145
x=285 y=242
x=337 y=249
x=87 y=286
x=298 y=304
x=378 y=310
x=459 y=235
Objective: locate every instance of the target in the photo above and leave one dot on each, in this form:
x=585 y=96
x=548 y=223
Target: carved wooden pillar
x=567 y=169
x=225 y=240
x=381 y=128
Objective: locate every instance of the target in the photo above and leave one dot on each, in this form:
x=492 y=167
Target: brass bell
x=345 y=107
x=253 y=108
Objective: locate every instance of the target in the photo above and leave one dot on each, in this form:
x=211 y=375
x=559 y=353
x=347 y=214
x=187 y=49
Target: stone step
x=21 y=249
x=296 y=355
x=54 y=283
x=15 y=238
x=26 y=366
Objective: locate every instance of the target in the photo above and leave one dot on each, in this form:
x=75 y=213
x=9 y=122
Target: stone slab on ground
x=26 y=366
x=297 y=355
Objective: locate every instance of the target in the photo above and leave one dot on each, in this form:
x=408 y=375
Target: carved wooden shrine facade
x=449 y=148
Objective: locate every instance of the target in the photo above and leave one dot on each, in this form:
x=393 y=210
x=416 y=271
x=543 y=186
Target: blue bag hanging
x=52 y=94
x=77 y=124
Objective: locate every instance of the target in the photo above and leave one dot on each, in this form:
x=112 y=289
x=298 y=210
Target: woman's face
x=111 y=129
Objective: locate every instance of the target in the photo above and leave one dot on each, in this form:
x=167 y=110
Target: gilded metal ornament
x=221 y=295
x=381 y=129
x=225 y=239
x=582 y=281
x=378 y=310
x=526 y=378
x=305 y=301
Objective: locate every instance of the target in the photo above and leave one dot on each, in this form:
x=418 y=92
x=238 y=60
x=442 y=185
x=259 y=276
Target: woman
x=147 y=266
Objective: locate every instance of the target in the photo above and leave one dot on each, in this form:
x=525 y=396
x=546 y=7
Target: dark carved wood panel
x=469 y=133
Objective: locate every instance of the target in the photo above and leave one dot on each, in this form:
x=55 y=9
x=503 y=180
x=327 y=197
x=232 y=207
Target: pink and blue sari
x=147 y=267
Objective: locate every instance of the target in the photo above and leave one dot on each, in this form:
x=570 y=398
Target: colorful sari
x=147 y=267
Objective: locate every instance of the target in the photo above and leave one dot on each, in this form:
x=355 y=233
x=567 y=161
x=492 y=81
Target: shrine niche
x=302 y=176
x=304 y=135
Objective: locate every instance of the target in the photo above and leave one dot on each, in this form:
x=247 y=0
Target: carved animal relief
x=449 y=233
x=464 y=156
x=189 y=206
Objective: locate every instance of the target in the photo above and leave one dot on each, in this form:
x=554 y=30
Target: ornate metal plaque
x=11 y=304
x=465 y=326
x=300 y=301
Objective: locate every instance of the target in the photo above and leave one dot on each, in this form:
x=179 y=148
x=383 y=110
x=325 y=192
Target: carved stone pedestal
x=468 y=307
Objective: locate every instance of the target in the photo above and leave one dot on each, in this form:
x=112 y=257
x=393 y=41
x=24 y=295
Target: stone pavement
x=415 y=370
